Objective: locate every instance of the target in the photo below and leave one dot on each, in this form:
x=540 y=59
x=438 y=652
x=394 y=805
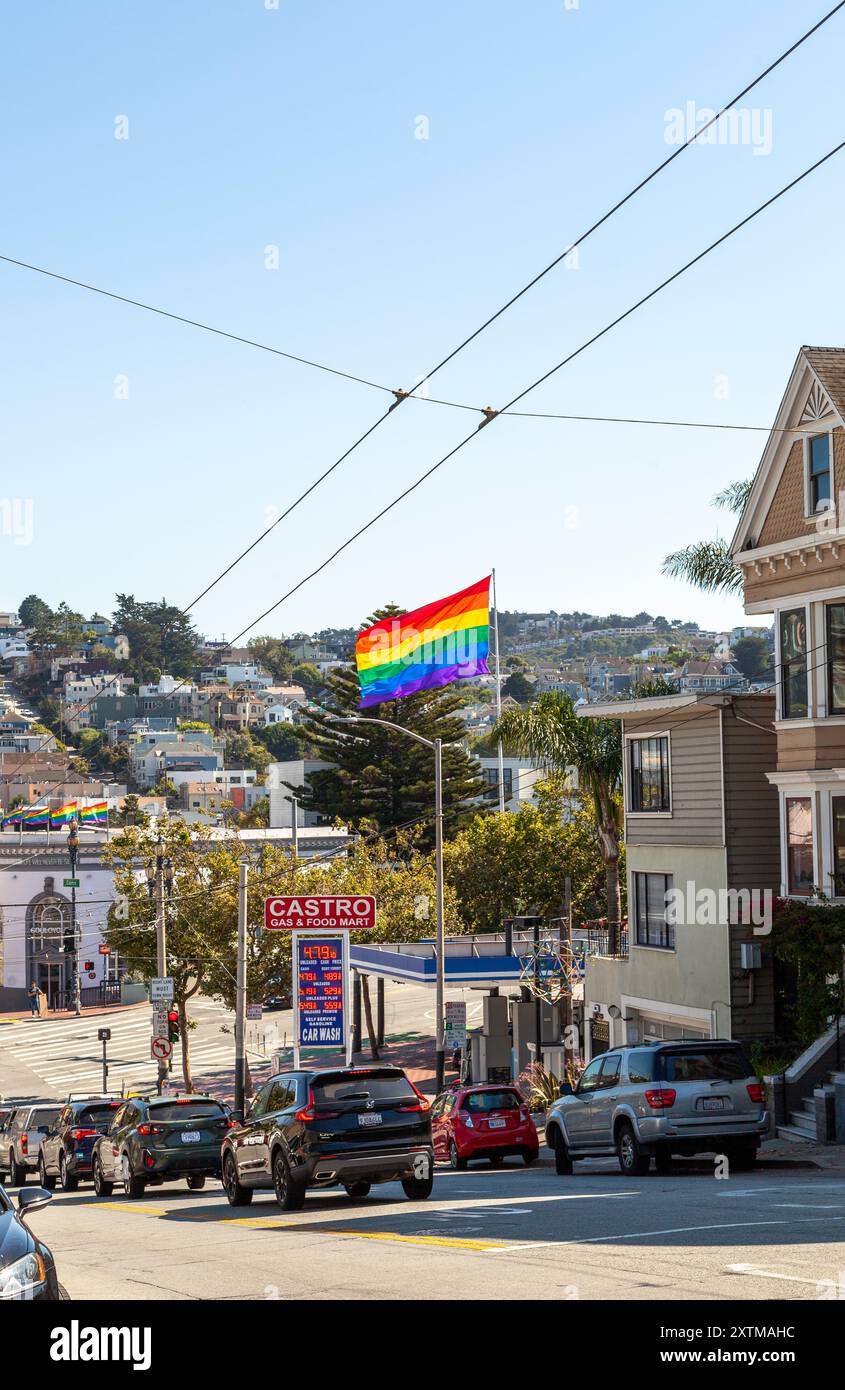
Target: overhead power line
x=403 y=395
x=644 y=299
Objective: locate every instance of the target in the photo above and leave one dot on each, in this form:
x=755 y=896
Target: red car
x=482 y=1122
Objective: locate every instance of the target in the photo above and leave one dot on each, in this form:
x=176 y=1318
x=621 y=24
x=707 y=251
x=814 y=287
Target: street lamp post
x=159 y=877
x=73 y=853
x=436 y=745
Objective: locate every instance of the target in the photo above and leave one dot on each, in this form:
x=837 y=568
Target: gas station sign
x=328 y=913
x=320 y=991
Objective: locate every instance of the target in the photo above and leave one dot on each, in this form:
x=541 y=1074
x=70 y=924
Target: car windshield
x=708 y=1064
x=367 y=1086
x=188 y=1110
x=97 y=1114
x=491 y=1100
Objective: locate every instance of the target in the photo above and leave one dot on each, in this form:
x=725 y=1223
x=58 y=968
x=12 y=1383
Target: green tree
x=34 y=612
x=276 y=655
x=519 y=688
x=308 y=676
x=551 y=732
x=240 y=749
x=161 y=637
x=752 y=656
x=284 y=742
x=507 y=865
x=130 y=813
x=708 y=564
x=380 y=776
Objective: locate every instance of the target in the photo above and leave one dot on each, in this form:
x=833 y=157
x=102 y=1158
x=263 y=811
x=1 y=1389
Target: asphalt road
x=512 y=1233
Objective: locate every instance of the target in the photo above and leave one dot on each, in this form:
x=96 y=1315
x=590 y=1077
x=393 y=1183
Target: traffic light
x=173 y=1025
x=89 y=965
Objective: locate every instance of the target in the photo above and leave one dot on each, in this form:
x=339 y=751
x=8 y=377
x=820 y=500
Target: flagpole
x=498 y=694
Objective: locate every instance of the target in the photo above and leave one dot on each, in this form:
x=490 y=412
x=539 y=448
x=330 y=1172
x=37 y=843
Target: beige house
x=790 y=547
x=700 y=825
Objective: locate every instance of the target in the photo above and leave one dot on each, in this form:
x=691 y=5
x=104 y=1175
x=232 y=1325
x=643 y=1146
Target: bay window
x=800 y=874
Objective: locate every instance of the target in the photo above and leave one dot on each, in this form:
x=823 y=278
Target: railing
x=105 y=994
x=596 y=936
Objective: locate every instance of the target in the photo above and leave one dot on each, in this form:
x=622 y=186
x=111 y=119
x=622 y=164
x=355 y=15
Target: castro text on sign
x=320 y=913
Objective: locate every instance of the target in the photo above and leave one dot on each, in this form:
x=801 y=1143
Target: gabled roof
x=816 y=384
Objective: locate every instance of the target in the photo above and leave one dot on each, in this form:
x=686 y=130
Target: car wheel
x=632 y=1161
x=743 y=1159
x=290 y=1195
x=17 y=1173
x=237 y=1195
x=529 y=1156
x=417 y=1189
x=455 y=1160
x=196 y=1182
x=132 y=1185
x=101 y=1186
x=357 y=1190
x=663 y=1162
x=68 y=1181
x=563 y=1162
x=45 y=1181
x=496 y=1160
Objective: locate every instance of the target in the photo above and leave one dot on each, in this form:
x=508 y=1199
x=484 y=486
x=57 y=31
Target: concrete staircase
x=801 y=1124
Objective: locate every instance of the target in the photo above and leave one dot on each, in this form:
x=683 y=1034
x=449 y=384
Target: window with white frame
x=835 y=637
x=794 y=694
x=800 y=872
x=648 y=780
x=654 y=926
x=818 y=470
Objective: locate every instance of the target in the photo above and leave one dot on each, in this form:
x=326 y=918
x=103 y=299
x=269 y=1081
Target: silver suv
x=658 y=1100
x=21 y=1137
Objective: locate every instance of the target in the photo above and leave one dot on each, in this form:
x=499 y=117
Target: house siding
x=695 y=752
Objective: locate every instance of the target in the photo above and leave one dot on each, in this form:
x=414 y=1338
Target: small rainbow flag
x=63 y=815
x=95 y=814
x=12 y=818
x=429 y=647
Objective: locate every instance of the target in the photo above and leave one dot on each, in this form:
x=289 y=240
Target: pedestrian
x=34 y=996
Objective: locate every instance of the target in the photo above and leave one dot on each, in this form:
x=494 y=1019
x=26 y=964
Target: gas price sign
x=320 y=976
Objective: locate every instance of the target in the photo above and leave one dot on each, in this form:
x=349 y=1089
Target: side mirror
x=566 y=1089
x=31 y=1198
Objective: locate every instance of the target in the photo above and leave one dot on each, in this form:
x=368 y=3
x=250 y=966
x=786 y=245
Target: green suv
x=159 y=1138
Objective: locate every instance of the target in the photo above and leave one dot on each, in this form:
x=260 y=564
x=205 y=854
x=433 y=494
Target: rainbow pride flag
x=36 y=816
x=429 y=647
x=63 y=815
x=95 y=814
x=12 y=818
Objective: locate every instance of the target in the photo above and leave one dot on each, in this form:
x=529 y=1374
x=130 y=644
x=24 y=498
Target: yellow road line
x=140 y=1210
x=257 y=1223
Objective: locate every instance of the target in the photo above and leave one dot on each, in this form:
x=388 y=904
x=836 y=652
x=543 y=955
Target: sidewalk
x=24 y=1015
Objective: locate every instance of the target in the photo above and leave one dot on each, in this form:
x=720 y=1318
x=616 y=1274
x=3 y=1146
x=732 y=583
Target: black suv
x=156 y=1138
x=69 y=1142
x=353 y=1126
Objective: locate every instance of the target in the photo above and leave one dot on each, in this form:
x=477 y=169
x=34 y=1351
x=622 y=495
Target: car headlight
x=21 y=1279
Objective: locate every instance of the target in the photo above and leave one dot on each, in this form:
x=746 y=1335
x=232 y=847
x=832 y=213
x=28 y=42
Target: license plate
x=191 y=1136
x=367 y=1120
x=497 y=1124
x=713 y=1103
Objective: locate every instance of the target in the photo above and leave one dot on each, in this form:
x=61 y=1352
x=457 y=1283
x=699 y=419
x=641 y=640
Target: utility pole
x=498 y=695
x=159 y=872
x=295 y=826
x=439 y=993
x=73 y=852
x=240 y=991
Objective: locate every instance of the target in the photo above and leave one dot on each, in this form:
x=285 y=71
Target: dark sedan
x=27 y=1269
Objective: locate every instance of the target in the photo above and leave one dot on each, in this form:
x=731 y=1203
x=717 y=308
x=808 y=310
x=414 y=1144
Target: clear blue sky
x=295 y=127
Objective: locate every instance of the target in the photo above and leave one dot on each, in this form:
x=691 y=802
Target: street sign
x=161 y=989
x=320 y=914
x=253 y=1012
x=455 y=1024
x=320 y=990
x=160 y=1028
x=104 y=950
x=103 y=1034
x=161 y=1048
x=71 y=882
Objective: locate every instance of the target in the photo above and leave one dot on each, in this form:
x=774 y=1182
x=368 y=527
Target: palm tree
x=550 y=732
x=708 y=564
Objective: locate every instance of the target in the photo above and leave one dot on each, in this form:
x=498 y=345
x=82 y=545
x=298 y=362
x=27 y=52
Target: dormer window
x=819 y=490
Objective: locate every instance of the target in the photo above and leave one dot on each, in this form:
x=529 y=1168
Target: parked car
x=67 y=1147
x=351 y=1126
x=155 y=1139
x=658 y=1100
x=482 y=1122
x=20 y=1142
x=27 y=1268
